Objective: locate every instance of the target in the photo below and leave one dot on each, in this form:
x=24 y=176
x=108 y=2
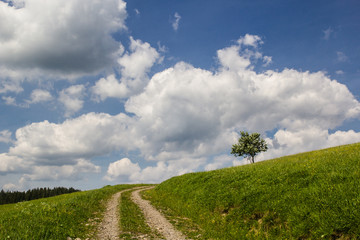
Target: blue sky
x=95 y=93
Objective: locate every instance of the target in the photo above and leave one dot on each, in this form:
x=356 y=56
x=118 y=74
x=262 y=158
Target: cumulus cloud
x=35 y=172
x=123 y=167
x=85 y=137
x=186 y=115
x=60 y=38
x=134 y=67
x=20 y=186
x=51 y=173
x=39 y=95
x=72 y=99
x=194 y=112
x=109 y=87
x=342 y=137
x=294 y=141
x=127 y=170
x=11 y=164
x=241 y=55
x=221 y=161
x=250 y=40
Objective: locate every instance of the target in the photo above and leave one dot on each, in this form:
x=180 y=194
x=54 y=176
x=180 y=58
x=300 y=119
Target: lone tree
x=249 y=145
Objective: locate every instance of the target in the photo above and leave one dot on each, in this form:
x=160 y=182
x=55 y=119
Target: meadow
x=69 y=215
x=314 y=195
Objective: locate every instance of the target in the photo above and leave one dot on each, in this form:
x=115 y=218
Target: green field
x=314 y=195
x=69 y=215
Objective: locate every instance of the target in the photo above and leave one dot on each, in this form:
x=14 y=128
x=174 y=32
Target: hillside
x=311 y=195
x=68 y=215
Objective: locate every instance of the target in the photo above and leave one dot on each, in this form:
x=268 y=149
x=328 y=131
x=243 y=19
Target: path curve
x=109 y=227
x=155 y=219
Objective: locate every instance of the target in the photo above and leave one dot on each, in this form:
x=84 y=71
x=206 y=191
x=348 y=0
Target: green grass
x=314 y=195
x=132 y=221
x=69 y=215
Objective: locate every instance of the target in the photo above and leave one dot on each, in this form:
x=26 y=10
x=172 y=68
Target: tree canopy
x=249 y=145
x=36 y=193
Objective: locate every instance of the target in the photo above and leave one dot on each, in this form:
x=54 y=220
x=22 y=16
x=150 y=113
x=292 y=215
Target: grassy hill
x=69 y=215
x=314 y=195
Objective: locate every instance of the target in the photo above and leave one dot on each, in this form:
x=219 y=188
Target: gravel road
x=155 y=219
x=109 y=227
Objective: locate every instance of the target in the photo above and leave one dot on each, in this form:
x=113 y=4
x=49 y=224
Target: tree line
x=36 y=193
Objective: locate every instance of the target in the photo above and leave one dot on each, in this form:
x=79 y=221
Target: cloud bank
x=61 y=39
x=185 y=118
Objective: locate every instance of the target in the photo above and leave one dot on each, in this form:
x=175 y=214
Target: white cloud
x=267 y=60
x=5 y=136
x=250 y=40
x=238 y=57
x=35 y=172
x=137 y=63
x=11 y=164
x=60 y=38
x=87 y=136
x=131 y=172
x=10 y=86
x=230 y=58
x=52 y=173
x=187 y=111
x=123 y=167
x=176 y=21
x=339 y=72
x=134 y=67
x=109 y=87
x=39 y=95
x=221 y=161
x=287 y=142
x=9 y=100
x=185 y=116
x=342 y=137
x=72 y=99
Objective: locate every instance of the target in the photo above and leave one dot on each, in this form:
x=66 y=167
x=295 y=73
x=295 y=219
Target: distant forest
x=36 y=193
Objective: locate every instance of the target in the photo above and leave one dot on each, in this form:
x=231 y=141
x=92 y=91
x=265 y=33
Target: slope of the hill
x=70 y=215
x=310 y=195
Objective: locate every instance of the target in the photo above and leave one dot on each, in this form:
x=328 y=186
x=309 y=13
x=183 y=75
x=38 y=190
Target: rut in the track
x=155 y=219
x=109 y=227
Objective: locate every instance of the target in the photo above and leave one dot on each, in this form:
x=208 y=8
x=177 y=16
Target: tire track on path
x=109 y=227
x=155 y=219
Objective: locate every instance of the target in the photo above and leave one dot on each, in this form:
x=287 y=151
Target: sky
x=96 y=93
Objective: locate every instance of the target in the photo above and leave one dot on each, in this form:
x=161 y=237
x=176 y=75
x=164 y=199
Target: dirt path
x=109 y=227
x=155 y=219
